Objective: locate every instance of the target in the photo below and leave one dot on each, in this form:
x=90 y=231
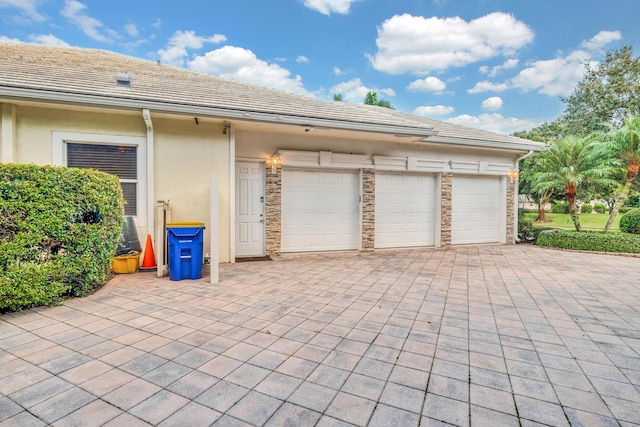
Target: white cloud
x=414 y=44
x=553 y=77
x=28 y=8
x=327 y=6
x=601 y=39
x=157 y=23
x=487 y=86
x=429 y=84
x=492 y=104
x=495 y=123
x=494 y=71
x=354 y=91
x=241 y=64
x=47 y=39
x=176 y=51
x=93 y=28
x=433 y=110
x=337 y=71
x=301 y=59
x=131 y=29
x=5 y=39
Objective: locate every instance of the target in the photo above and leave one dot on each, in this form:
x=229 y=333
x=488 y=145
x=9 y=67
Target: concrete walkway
x=481 y=336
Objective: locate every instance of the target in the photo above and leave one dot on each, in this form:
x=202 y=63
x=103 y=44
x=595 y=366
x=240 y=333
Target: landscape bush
x=586 y=208
x=590 y=241
x=630 y=222
x=560 y=207
x=525 y=230
x=599 y=208
x=59 y=229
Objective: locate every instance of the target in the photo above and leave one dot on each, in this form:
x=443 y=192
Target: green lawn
x=587 y=221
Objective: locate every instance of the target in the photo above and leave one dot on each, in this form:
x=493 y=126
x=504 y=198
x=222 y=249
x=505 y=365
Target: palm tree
x=625 y=145
x=571 y=161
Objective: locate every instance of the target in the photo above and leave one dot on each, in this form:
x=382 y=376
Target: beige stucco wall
x=261 y=145
x=185 y=157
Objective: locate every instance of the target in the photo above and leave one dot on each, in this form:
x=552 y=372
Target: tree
x=338 y=97
x=372 y=99
x=569 y=162
x=625 y=145
x=608 y=93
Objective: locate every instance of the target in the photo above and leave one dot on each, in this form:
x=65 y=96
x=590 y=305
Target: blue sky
x=499 y=65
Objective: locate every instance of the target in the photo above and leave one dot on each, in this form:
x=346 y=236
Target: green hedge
x=560 y=207
x=586 y=208
x=590 y=241
x=630 y=222
x=59 y=229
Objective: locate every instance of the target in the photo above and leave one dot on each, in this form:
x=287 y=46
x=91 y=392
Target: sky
x=498 y=65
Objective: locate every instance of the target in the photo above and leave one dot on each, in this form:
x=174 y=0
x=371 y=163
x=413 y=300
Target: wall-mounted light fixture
x=274 y=160
x=226 y=128
x=513 y=175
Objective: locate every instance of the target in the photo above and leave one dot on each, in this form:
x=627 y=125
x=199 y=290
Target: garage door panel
x=475 y=216
x=404 y=210
x=319 y=210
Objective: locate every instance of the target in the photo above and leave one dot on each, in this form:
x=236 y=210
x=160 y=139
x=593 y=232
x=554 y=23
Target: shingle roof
x=64 y=71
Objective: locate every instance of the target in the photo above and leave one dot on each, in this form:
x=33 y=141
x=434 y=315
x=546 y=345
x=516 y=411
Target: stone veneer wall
x=368 y=209
x=273 y=210
x=511 y=190
x=445 y=208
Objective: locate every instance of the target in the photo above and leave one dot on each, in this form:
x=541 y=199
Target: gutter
x=146 y=115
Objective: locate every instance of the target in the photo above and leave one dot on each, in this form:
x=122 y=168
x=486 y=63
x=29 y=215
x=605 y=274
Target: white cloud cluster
x=414 y=44
x=74 y=11
x=428 y=84
x=301 y=59
x=176 y=51
x=48 y=39
x=495 y=123
x=433 y=110
x=494 y=71
x=27 y=7
x=354 y=91
x=552 y=77
x=242 y=64
x=492 y=104
x=326 y=7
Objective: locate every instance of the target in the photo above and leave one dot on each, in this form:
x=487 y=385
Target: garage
x=475 y=211
x=319 y=210
x=405 y=210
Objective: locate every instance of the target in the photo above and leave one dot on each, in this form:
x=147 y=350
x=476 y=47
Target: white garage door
x=404 y=210
x=319 y=210
x=475 y=215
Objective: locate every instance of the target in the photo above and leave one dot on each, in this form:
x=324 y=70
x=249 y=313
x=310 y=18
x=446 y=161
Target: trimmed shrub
x=586 y=208
x=59 y=229
x=630 y=222
x=560 y=207
x=525 y=230
x=624 y=209
x=599 y=208
x=590 y=241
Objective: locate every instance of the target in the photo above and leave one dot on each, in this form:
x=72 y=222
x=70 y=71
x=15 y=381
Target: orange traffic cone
x=149 y=260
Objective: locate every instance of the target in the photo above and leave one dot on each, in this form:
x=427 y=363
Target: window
x=119 y=155
x=119 y=160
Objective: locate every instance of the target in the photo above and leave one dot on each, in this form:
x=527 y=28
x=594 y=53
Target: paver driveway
x=491 y=335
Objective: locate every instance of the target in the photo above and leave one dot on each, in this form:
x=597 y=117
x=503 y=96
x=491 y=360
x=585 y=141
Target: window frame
x=61 y=139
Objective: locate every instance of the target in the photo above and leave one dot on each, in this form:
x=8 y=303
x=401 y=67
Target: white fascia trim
x=221 y=113
x=500 y=145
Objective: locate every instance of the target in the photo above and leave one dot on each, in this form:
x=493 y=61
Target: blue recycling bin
x=185 y=250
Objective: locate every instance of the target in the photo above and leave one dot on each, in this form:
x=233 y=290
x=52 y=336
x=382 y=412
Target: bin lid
x=184 y=224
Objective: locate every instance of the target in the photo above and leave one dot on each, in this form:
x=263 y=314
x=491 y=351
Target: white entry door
x=249 y=209
x=319 y=210
x=405 y=210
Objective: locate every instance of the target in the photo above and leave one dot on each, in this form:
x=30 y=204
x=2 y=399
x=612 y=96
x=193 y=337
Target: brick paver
x=486 y=335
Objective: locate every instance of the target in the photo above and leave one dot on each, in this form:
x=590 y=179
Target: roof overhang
x=132 y=104
x=467 y=142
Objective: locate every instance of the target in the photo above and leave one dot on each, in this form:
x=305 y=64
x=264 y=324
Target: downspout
x=146 y=115
x=516 y=166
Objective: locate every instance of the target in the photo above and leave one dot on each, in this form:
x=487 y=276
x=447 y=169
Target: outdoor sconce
x=274 y=160
x=513 y=175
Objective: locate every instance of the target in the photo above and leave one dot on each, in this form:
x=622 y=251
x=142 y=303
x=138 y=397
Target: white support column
x=214 y=232
x=232 y=192
x=8 y=135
